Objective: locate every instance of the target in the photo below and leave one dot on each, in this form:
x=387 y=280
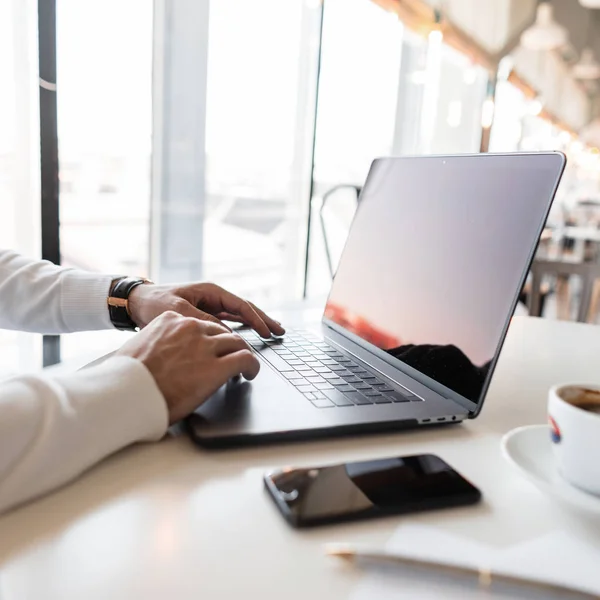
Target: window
x=260 y=93
x=384 y=90
x=19 y=161
x=104 y=74
x=361 y=54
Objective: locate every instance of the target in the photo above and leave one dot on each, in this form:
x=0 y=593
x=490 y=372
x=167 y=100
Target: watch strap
x=118 y=302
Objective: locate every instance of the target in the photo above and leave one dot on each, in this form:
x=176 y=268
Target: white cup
x=574 y=418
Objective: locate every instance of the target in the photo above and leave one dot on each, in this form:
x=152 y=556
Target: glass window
x=104 y=75
x=361 y=56
x=258 y=146
x=461 y=94
x=507 y=129
x=384 y=90
x=19 y=161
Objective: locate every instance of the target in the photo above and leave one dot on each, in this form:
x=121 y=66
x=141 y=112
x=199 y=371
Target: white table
x=171 y=521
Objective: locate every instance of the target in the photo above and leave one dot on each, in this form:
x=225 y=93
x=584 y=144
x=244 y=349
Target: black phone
x=373 y=488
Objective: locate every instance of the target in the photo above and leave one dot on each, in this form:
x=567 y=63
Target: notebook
x=558 y=557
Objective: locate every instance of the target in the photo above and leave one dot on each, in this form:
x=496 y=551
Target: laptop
x=418 y=310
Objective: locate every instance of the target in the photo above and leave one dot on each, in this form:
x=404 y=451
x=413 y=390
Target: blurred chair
x=326 y=197
x=554 y=259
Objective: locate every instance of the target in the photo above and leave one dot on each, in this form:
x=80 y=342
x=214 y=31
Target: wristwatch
x=118 y=302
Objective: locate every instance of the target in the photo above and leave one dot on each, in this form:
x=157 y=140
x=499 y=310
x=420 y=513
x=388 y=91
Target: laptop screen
x=436 y=257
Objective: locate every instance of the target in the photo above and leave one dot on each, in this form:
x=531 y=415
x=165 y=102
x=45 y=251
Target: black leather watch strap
x=118 y=302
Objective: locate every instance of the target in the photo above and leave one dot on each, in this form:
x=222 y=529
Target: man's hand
x=190 y=359
x=204 y=301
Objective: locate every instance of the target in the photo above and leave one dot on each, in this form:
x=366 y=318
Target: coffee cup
x=574 y=418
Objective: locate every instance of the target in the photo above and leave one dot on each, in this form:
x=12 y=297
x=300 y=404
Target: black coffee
x=581 y=397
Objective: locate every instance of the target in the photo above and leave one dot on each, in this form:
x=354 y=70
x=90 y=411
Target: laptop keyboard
x=325 y=376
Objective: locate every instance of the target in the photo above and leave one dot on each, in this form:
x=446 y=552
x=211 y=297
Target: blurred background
x=228 y=140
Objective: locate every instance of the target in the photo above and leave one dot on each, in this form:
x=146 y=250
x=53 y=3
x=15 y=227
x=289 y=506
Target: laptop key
x=348 y=375
x=337 y=382
x=277 y=362
x=345 y=388
x=338 y=398
x=361 y=373
x=313 y=363
x=310 y=396
x=337 y=368
x=352 y=379
x=306 y=388
x=322 y=370
x=357 y=398
x=344 y=361
x=331 y=377
x=372 y=393
x=354 y=368
x=292 y=375
x=324 y=403
x=323 y=386
x=381 y=400
x=386 y=388
x=299 y=382
x=315 y=379
x=362 y=386
x=397 y=397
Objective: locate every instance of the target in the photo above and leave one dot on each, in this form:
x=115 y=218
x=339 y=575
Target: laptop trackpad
x=238 y=398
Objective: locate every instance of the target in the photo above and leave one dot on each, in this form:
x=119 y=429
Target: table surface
x=169 y=520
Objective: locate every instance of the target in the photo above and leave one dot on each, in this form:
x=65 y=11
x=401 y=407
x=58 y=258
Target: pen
x=484 y=576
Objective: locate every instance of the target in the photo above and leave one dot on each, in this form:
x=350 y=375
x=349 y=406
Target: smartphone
x=374 y=488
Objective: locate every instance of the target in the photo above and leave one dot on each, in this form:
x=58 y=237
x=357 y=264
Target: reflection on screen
x=410 y=483
x=435 y=256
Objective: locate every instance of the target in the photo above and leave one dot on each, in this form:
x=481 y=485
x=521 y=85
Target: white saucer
x=530 y=450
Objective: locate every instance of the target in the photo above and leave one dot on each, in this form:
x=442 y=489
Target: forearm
x=52 y=429
x=40 y=297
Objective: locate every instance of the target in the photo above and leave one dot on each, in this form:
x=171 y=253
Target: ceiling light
x=587 y=67
x=535 y=107
x=590 y=3
x=545 y=33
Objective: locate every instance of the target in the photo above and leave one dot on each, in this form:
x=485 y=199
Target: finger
x=186 y=309
x=243 y=362
x=273 y=325
x=225 y=316
x=226 y=343
x=236 y=306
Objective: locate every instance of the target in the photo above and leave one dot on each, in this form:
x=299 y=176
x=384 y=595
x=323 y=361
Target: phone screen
x=368 y=489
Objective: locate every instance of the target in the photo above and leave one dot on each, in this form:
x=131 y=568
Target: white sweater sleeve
x=52 y=429
x=40 y=297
